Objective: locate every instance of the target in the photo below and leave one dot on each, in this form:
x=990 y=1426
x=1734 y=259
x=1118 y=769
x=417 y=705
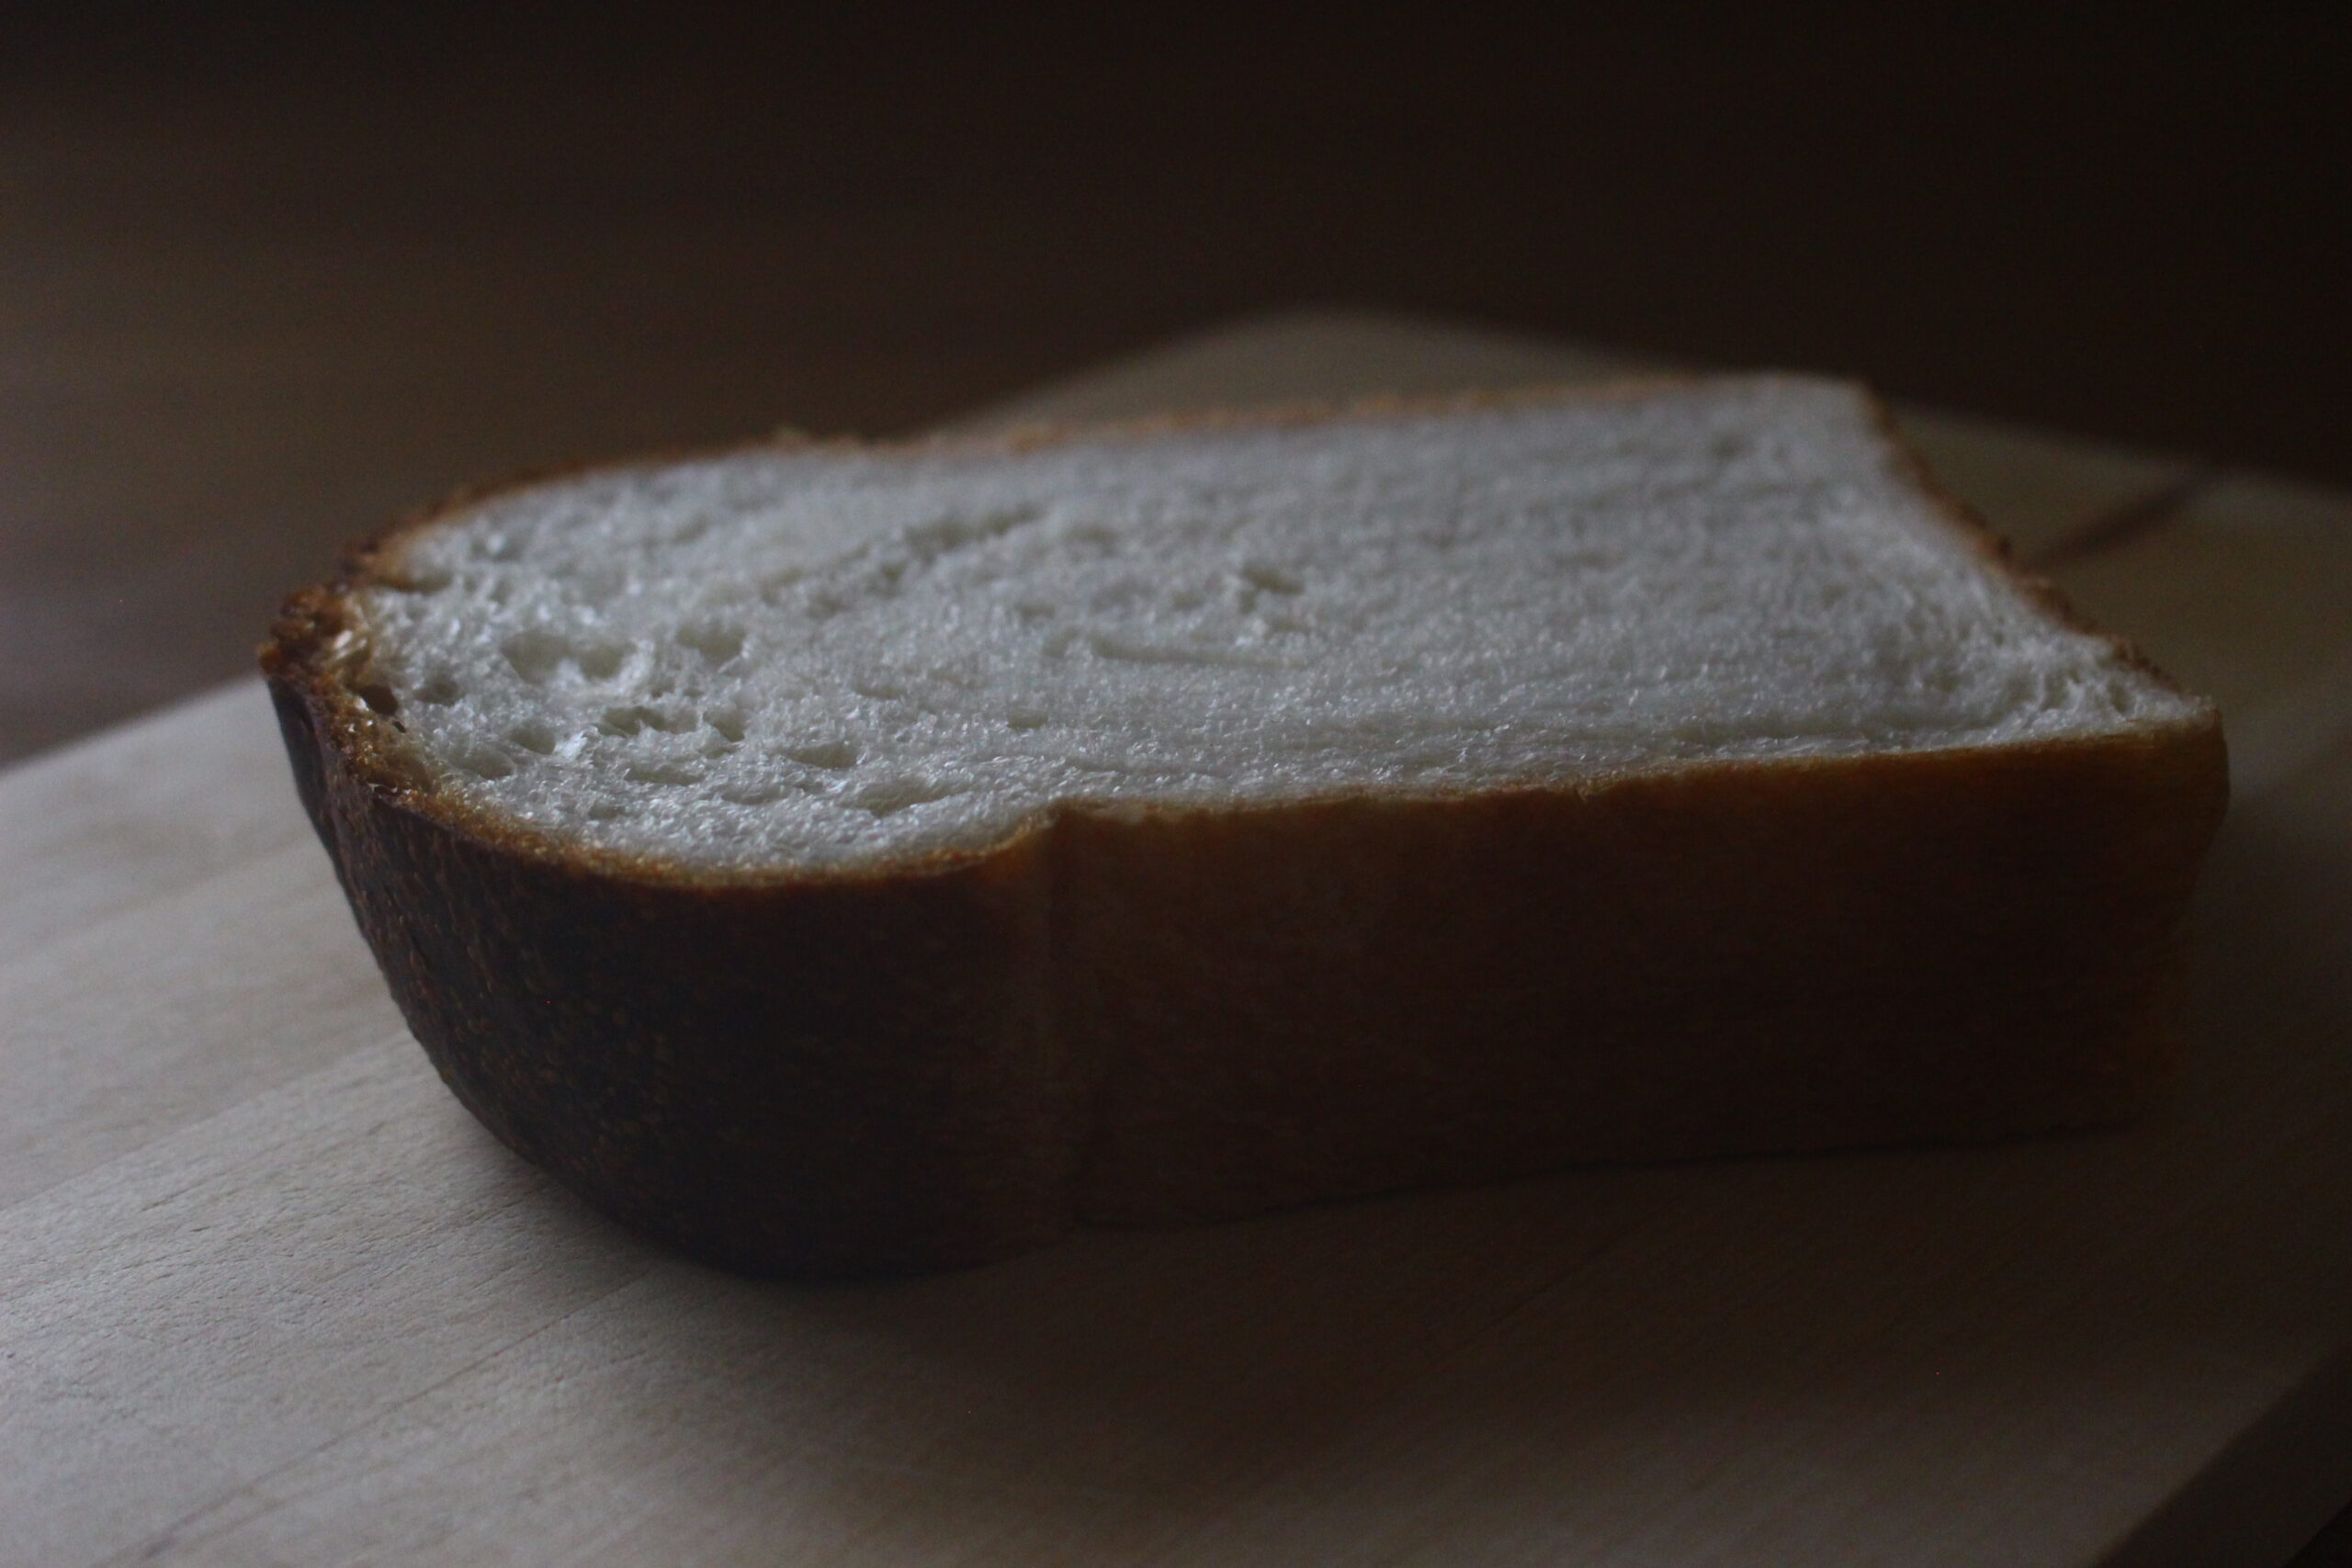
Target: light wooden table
x=267 y=1295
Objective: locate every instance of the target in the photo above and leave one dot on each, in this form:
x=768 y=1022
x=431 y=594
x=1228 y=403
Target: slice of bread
x=845 y=860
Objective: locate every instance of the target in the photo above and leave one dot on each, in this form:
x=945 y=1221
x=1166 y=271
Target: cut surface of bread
x=842 y=859
x=819 y=658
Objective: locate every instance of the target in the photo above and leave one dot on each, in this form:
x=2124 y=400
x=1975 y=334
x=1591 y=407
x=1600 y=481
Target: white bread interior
x=838 y=659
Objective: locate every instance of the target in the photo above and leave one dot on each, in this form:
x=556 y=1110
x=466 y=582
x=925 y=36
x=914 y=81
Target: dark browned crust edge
x=736 y=1064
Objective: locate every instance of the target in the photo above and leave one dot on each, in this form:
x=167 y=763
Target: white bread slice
x=840 y=858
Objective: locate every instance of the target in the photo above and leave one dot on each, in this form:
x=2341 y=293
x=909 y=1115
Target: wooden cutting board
x=266 y=1294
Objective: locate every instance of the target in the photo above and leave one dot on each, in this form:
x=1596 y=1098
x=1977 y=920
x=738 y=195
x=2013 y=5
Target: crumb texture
x=827 y=658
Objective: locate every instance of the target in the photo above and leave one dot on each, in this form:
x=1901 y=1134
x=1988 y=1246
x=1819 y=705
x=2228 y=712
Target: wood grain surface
x=266 y=1294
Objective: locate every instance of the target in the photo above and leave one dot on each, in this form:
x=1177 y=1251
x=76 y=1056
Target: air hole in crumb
x=602 y=661
x=406 y=578
x=1034 y=612
x=729 y=722
x=1273 y=579
x=486 y=764
x=830 y=755
x=753 y=794
x=379 y=697
x=714 y=641
x=881 y=690
x=956 y=530
x=1025 y=719
x=637 y=716
x=693 y=528
x=534 y=653
x=892 y=795
x=606 y=811
x=533 y=736
x=665 y=773
x=440 y=689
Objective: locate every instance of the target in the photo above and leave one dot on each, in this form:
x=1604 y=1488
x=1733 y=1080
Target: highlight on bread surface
x=1395 y=652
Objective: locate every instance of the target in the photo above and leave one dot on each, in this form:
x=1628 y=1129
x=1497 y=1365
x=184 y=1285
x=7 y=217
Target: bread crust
x=1149 y=1015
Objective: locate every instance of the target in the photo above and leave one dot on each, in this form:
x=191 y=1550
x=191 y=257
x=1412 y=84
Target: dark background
x=2128 y=224
x=271 y=274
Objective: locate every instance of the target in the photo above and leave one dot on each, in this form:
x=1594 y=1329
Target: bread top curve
x=826 y=658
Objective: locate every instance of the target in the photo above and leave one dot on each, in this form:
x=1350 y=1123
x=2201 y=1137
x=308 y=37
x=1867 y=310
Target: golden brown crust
x=1163 y=1016
x=1932 y=946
